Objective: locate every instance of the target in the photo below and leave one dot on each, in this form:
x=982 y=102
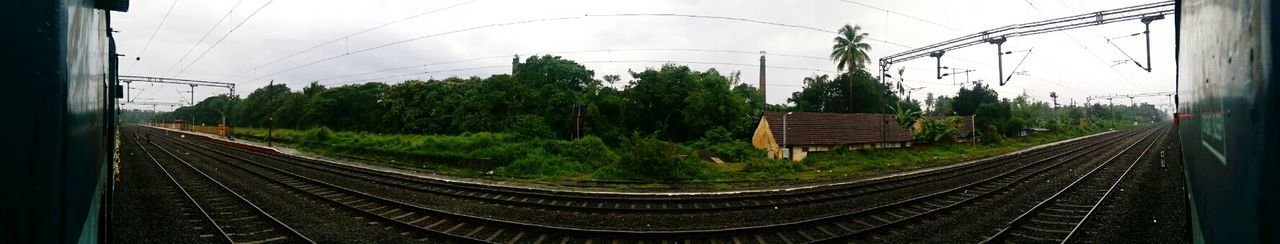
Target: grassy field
x=636 y=159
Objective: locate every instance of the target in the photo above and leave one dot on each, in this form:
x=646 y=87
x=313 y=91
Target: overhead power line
x=902 y=14
x=410 y=40
x=570 y=52
x=1082 y=46
x=583 y=62
x=224 y=37
x=424 y=13
x=153 y=37
x=420 y=73
x=735 y=19
x=206 y=35
x=260 y=78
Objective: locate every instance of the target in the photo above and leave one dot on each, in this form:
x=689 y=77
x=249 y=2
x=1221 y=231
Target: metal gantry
x=1132 y=96
x=231 y=87
x=998 y=36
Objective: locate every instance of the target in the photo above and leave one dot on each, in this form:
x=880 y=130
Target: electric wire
x=902 y=14
x=206 y=35
x=420 y=14
x=410 y=40
x=569 y=52
x=153 y=37
x=734 y=19
x=1082 y=46
x=224 y=37
x=259 y=78
x=583 y=62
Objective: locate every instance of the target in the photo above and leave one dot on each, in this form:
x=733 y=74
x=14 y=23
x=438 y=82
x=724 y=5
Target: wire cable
x=259 y=78
x=568 y=52
x=902 y=14
x=410 y=40
x=1082 y=46
x=224 y=37
x=734 y=19
x=153 y=37
x=424 y=13
x=206 y=35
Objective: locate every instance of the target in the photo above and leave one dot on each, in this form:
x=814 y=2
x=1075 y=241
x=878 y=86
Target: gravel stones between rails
x=318 y=220
x=976 y=222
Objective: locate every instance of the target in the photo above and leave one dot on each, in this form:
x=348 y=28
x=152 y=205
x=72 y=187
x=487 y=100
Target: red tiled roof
x=810 y=128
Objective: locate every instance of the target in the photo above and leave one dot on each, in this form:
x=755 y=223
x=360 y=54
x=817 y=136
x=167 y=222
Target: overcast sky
x=472 y=38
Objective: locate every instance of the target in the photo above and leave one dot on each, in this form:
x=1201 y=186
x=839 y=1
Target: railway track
x=234 y=218
x=1059 y=217
x=656 y=203
x=434 y=223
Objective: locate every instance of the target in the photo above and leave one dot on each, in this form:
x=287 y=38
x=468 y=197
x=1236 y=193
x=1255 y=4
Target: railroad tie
x=517 y=237
x=474 y=231
x=495 y=235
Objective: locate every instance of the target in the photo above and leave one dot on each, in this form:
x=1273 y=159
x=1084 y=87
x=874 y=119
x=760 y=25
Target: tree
x=968 y=100
x=257 y=107
x=850 y=51
x=905 y=115
x=347 y=108
x=855 y=92
x=682 y=104
x=928 y=103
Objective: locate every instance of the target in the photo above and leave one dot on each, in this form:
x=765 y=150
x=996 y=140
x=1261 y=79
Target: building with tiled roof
x=802 y=133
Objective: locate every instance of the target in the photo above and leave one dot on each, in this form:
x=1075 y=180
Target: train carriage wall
x=59 y=125
x=1228 y=115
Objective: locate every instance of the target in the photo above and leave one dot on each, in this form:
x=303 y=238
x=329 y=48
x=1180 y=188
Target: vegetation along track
x=234 y=218
x=663 y=202
x=833 y=227
x=1058 y=217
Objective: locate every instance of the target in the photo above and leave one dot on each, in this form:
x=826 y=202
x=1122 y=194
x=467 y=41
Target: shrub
x=528 y=126
x=935 y=131
x=646 y=158
x=736 y=151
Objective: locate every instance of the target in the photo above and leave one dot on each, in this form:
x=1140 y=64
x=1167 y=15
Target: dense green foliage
x=937 y=131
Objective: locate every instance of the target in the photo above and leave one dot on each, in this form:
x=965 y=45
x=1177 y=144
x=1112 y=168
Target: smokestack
x=514 y=61
x=763 y=96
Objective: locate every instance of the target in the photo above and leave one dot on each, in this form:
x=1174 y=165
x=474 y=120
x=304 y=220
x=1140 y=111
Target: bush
x=720 y=142
x=934 y=131
x=528 y=126
x=647 y=158
x=736 y=151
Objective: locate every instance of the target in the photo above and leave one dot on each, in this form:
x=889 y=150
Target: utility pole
x=974 y=126
x=999 y=57
x=193 y=95
x=271 y=125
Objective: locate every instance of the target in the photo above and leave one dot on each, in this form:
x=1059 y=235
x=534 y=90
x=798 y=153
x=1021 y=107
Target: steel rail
x=564 y=232
x=224 y=188
x=614 y=203
x=1021 y=219
x=1109 y=191
x=204 y=213
x=983 y=193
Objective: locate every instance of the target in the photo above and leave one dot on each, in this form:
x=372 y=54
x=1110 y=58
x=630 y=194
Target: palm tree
x=850 y=52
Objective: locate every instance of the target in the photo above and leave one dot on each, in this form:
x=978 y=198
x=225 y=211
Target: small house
x=795 y=135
